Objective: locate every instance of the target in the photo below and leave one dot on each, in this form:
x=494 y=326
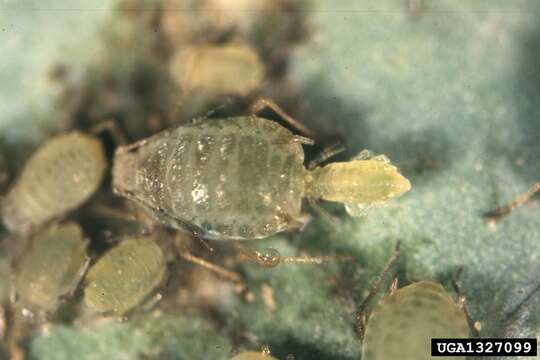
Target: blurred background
x=448 y=90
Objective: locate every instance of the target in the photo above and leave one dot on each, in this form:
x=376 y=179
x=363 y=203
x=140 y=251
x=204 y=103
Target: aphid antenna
x=495 y=215
x=462 y=303
x=315 y=259
x=270 y=257
x=112 y=128
x=263 y=103
x=361 y=315
x=327 y=153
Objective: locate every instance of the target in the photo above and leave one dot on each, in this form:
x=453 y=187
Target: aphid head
x=357 y=183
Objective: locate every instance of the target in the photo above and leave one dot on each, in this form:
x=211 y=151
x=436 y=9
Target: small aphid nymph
x=58 y=178
x=403 y=323
x=232 y=69
x=243 y=178
x=51 y=268
x=359 y=183
x=124 y=276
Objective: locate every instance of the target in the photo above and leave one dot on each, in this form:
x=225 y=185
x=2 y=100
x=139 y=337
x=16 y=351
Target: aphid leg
x=495 y=215
x=326 y=154
x=262 y=103
x=303 y=140
x=361 y=315
x=15 y=334
x=299 y=223
x=323 y=212
x=183 y=250
x=462 y=302
x=111 y=212
x=112 y=128
x=394 y=285
x=151 y=302
x=221 y=271
x=2 y=324
x=265 y=350
x=370 y=155
x=364 y=155
x=205 y=243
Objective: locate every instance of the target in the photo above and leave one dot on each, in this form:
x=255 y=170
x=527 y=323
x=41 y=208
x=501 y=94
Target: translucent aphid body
x=403 y=323
x=240 y=178
x=253 y=355
x=214 y=70
x=52 y=267
x=59 y=177
x=124 y=276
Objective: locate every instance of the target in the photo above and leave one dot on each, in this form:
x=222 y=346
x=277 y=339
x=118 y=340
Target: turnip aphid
x=403 y=323
x=124 y=276
x=217 y=70
x=51 y=267
x=58 y=178
x=242 y=178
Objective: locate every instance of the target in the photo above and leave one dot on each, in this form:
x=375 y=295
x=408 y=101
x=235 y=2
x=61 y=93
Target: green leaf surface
x=151 y=336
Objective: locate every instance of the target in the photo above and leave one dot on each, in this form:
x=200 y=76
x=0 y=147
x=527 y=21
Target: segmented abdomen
x=231 y=178
x=124 y=276
x=59 y=177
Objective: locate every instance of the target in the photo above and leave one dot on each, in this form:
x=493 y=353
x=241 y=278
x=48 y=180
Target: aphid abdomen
x=124 y=276
x=228 y=178
x=59 y=177
x=232 y=186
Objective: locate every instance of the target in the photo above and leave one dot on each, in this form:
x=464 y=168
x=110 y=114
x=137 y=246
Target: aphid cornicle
x=124 y=276
x=59 y=177
x=241 y=178
x=403 y=323
x=52 y=267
